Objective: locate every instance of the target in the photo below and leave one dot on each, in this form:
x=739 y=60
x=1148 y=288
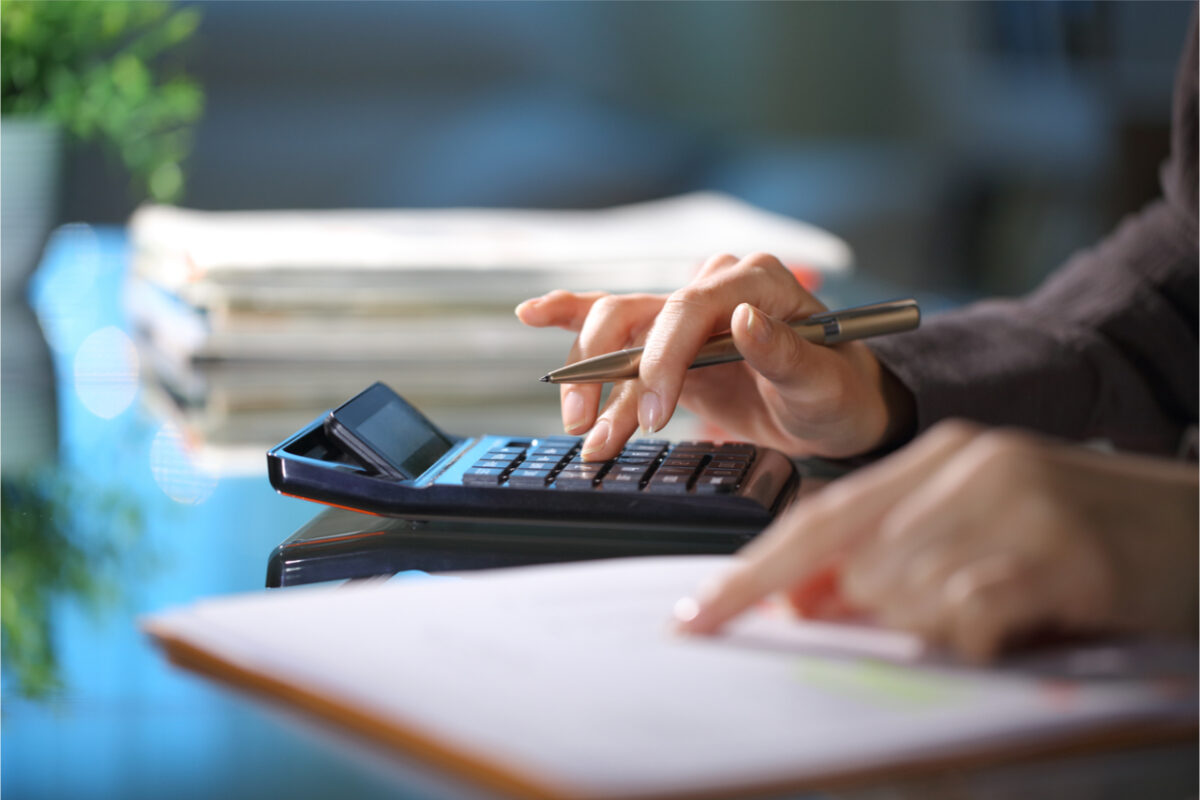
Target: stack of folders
x=255 y=321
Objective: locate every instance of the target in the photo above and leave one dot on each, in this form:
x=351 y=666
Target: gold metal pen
x=826 y=327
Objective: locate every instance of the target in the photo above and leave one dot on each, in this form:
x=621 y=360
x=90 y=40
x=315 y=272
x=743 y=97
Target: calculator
x=376 y=453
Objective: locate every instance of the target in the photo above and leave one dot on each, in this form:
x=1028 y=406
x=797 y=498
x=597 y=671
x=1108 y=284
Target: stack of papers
x=295 y=311
x=565 y=681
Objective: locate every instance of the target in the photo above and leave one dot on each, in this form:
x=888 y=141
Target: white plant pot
x=29 y=193
x=30 y=164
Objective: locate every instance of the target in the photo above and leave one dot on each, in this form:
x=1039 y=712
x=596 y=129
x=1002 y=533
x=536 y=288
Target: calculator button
x=575 y=463
x=528 y=478
x=638 y=470
x=721 y=462
x=575 y=481
x=715 y=485
x=667 y=469
x=668 y=481
x=641 y=452
x=721 y=481
x=741 y=448
x=688 y=452
x=509 y=450
x=687 y=461
x=721 y=473
x=584 y=467
x=625 y=477
x=557 y=451
x=482 y=476
x=543 y=458
x=568 y=441
x=488 y=461
x=649 y=443
x=622 y=482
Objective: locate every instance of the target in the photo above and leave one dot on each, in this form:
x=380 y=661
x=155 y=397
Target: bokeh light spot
x=106 y=372
x=177 y=471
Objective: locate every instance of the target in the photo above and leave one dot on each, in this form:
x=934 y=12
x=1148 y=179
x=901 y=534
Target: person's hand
x=970 y=537
x=796 y=396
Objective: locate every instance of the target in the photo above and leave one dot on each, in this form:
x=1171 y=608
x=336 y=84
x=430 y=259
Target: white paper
x=653 y=243
x=569 y=674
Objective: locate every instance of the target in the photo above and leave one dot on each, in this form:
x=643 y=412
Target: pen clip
x=861 y=311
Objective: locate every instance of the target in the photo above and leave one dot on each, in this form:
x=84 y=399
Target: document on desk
x=565 y=681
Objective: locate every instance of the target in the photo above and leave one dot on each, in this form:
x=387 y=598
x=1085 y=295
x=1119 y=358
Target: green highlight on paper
x=880 y=682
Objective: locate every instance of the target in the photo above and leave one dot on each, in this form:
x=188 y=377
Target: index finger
x=805 y=540
x=702 y=308
x=558 y=308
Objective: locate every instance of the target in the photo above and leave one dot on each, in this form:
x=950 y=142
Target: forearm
x=1106 y=348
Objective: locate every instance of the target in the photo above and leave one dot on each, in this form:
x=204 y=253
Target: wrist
x=900 y=410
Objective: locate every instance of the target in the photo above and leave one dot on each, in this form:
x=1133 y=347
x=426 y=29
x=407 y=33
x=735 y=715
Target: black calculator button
x=622 y=482
x=712 y=472
x=718 y=481
x=575 y=481
x=550 y=450
x=670 y=482
x=687 y=461
x=592 y=468
x=637 y=470
x=667 y=469
x=740 y=448
x=568 y=441
x=528 y=478
x=720 y=462
x=488 y=462
x=543 y=458
x=716 y=484
x=482 y=476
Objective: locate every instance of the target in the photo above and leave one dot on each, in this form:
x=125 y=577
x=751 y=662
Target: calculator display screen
x=394 y=430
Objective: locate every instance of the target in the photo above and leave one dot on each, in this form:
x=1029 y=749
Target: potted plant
x=87 y=71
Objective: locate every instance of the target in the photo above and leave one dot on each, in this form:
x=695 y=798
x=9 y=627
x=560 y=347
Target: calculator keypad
x=644 y=465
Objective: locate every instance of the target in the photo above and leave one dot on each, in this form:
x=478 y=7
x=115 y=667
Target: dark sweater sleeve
x=1105 y=348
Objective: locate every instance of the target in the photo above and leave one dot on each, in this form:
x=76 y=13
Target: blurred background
x=969 y=146
x=959 y=148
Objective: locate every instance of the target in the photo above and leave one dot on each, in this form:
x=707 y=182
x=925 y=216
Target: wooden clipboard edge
x=374 y=727
x=409 y=741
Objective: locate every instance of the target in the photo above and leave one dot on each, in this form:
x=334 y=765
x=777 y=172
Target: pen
x=826 y=327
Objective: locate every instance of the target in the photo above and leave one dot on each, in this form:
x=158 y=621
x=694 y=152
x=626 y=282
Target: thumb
x=773 y=349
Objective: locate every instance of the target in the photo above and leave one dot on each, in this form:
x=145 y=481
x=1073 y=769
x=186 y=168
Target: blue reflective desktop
x=114 y=509
x=108 y=516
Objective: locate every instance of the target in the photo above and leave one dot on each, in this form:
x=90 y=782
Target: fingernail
x=573 y=412
x=650 y=412
x=756 y=325
x=596 y=439
x=686 y=610
x=526 y=304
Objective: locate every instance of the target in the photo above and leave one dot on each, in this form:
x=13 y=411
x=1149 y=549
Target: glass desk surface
x=121 y=498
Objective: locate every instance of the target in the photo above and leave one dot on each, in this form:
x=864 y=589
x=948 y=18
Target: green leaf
x=99 y=69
